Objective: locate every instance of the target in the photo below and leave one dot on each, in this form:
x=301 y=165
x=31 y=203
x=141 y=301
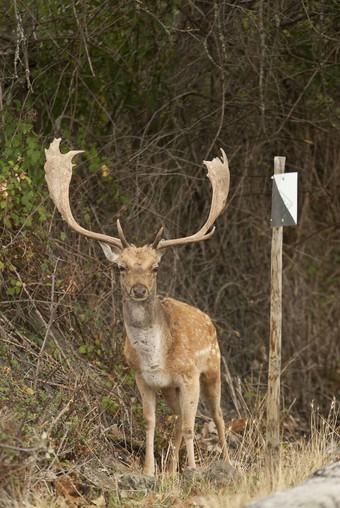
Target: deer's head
x=138 y=268
x=138 y=265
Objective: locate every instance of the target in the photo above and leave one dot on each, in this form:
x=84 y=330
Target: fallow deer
x=171 y=346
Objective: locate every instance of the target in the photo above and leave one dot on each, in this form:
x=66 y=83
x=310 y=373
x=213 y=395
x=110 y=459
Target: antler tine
x=157 y=238
x=58 y=173
x=121 y=235
x=219 y=176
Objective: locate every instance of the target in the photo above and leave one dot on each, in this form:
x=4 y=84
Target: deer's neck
x=142 y=315
x=145 y=325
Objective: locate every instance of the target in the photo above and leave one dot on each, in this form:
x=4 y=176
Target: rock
x=127 y=483
x=219 y=472
x=330 y=471
x=193 y=474
x=135 y=482
x=322 y=490
x=100 y=478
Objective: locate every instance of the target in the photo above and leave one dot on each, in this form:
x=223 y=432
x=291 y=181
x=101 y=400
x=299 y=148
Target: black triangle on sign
x=280 y=213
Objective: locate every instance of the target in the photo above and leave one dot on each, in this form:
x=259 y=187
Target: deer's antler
x=219 y=176
x=58 y=169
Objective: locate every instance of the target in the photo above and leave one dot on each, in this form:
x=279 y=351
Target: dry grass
x=300 y=457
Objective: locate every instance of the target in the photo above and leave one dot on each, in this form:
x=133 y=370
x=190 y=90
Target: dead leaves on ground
x=69 y=494
x=173 y=498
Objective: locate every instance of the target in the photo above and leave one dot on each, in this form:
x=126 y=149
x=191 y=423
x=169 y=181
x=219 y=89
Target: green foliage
x=122 y=68
x=86 y=350
x=109 y=404
x=20 y=168
x=126 y=376
x=14 y=287
x=19 y=395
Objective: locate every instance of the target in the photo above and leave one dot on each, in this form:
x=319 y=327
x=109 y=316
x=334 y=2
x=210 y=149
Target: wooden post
x=274 y=370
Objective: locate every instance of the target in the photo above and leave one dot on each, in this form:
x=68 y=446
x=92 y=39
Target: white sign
x=284 y=200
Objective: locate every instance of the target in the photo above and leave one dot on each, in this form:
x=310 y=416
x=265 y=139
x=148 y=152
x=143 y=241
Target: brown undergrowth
x=74 y=437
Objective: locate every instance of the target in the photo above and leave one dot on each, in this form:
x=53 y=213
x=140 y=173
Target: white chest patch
x=150 y=349
x=149 y=346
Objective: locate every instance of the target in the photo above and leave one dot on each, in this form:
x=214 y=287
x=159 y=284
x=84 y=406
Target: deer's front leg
x=171 y=395
x=148 y=396
x=188 y=397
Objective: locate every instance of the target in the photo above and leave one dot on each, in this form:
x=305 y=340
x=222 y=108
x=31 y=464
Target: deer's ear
x=111 y=252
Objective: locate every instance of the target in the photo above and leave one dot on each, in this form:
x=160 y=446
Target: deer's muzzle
x=139 y=292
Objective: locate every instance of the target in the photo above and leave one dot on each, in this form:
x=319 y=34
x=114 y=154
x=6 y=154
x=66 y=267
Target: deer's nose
x=139 y=291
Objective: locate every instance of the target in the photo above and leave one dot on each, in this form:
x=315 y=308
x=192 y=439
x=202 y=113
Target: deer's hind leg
x=211 y=388
x=171 y=396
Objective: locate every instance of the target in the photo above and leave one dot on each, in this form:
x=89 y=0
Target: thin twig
x=16 y=236
x=48 y=329
x=262 y=60
x=19 y=448
x=231 y=387
x=83 y=38
x=21 y=41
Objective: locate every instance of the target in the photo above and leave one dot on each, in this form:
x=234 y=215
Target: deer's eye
x=122 y=268
x=155 y=269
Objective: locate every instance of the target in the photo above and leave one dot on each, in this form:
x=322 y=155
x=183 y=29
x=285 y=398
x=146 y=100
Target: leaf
x=66 y=487
x=114 y=431
x=100 y=502
x=200 y=501
x=238 y=425
x=35 y=156
x=150 y=499
x=248 y=395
